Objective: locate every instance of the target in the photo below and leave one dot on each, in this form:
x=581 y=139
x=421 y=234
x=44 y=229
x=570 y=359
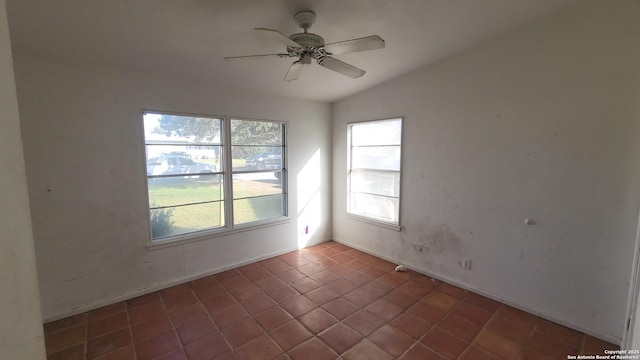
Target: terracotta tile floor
x=325 y=302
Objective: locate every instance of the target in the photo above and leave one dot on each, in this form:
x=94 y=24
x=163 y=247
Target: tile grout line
x=133 y=348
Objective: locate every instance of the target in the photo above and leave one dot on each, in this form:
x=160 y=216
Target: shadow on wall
x=309 y=203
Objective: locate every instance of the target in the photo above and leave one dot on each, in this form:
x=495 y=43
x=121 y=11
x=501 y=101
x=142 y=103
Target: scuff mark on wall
x=441 y=238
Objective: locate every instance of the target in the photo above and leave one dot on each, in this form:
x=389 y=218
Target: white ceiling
x=188 y=38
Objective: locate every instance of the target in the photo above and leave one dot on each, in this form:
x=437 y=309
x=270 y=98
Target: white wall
x=85 y=161
x=21 y=335
x=544 y=124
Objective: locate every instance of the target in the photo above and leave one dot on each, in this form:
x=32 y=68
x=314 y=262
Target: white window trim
x=229 y=228
x=369 y=220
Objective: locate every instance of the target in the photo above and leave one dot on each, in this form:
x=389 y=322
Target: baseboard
x=88 y=307
x=506 y=301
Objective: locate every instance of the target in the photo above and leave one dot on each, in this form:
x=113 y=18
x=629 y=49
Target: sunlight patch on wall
x=309 y=200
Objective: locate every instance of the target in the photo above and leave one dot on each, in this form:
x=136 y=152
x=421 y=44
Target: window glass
x=374 y=170
x=247 y=158
x=258 y=208
x=376 y=157
x=382 y=132
x=258 y=170
x=187 y=177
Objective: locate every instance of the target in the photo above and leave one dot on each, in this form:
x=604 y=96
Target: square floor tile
x=75 y=352
x=340 y=337
x=231 y=315
x=261 y=348
x=497 y=345
x=341 y=286
x=242 y=332
x=482 y=302
x=195 y=330
x=340 y=308
x=509 y=330
x=244 y=292
x=317 y=320
x=108 y=343
x=272 y=318
x=145 y=311
x=208 y=347
x=107 y=324
x=453 y=291
x=411 y=325
x=444 y=343
x=150 y=328
x=421 y=352
x=401 y=299
x=322 y=295
x=441 y=300
x=305 y=284
x=65 y=338
x=290 y=334
x=551 y=346
x=391 y=340
x=426 y=312
x=312 y=349
x=269 y=283
x=298 y=306
x=361 y=297
x=460 y=327
x=364 y=322
x=364 y=350
x=158 y=345
x=187 y=314
x=384 y=309
x=258 y=304
x=560 y=333
x=472 y=313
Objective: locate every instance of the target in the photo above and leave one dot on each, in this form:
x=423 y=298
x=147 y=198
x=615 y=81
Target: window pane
x=376 y=157
x=246 y=132
x=257 y=157
x=178 y=129
x=185 y=219
x=184 y=190
x=256 y=184
x=374 y=206
x=172 y=160
x=260 y=208
x=376 y=182
x=386 y=132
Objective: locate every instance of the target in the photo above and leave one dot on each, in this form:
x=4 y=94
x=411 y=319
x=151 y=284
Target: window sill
x=214 y=233
x=367 y=220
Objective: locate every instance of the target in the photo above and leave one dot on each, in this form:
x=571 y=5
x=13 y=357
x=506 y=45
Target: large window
x=374 y=170
x=212 y=173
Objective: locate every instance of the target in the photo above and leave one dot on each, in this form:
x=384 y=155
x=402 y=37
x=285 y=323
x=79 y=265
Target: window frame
x=226 y=174
x=361 y=217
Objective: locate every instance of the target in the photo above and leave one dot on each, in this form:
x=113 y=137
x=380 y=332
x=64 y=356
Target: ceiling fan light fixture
x=305 y=59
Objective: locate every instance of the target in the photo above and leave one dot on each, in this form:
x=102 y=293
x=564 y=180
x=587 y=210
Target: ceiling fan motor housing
x=308 y=39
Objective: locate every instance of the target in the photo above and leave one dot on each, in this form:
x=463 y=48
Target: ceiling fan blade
x=341 y=67
x=251 y=57
x=277 y=35
x=294 y=71
x=362 y=44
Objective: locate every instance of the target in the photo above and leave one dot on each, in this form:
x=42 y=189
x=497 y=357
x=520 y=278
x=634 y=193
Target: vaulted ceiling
x=188 y=38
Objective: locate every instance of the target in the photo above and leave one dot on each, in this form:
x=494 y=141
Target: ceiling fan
x=306 y=46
